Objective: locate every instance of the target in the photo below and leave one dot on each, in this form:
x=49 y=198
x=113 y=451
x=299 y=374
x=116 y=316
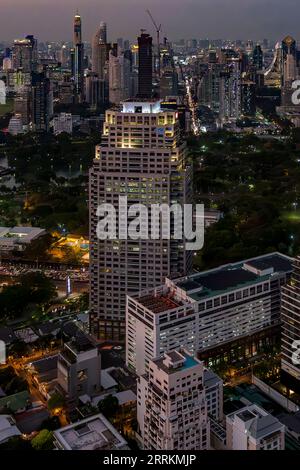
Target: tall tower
x=103 y=32
x=77 y=38
x=145 y=66
x=289 y=59
x=78 y=68
x=119 y=77
x=143 y=157
x=100 y=51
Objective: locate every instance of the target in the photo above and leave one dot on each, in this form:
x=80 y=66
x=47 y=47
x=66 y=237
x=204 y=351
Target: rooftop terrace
x=159 y=303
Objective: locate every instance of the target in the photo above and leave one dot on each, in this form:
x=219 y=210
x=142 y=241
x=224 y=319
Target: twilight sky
x=232 y=19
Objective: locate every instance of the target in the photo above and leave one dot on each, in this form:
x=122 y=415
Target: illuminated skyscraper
x=78 y=68
x=24 y=54
x=143 y=157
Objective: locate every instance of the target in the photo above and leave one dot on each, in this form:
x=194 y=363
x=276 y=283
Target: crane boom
x=158 y=30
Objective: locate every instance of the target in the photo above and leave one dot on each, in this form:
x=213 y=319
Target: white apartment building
x=142 y=157
x=171 y=406
x=252 y=428
x=205 y=310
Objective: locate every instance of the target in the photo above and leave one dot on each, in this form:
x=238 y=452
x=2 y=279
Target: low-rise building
x=252 y=428
x=93 y=433
x=17 y=238
x=79 y=369
x=8 y=428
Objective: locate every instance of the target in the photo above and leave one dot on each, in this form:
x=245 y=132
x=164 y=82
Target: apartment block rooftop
x=176 y=361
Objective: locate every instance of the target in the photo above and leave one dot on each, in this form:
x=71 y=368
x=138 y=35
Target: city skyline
x=194 y=18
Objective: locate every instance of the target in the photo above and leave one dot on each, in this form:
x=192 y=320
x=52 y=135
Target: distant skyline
x=229 y=19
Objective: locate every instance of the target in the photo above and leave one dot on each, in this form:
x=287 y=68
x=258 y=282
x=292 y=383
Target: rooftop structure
x=93 y=433
x=8 y=428
x=17 y=238
x=252 y=428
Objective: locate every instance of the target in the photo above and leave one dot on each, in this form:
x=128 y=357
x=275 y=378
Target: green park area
x=255 y=183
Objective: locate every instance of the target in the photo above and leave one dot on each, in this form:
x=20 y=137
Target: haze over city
x=245 y=19
x=149 y=230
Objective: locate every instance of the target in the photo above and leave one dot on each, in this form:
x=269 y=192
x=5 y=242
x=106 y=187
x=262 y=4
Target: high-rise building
x=252 y=428
x=143 y=157
x=100 y=51
x=78 y=57
x=209 y=87
x=119 y=77
x=172 y=409
x=248 y=98
x=290 y=314
x=22 y=105
x=289 y=71
x=94 y=90
x=213 y=313
x=168 y=83
x=230 y=92
x=24 y=54
x=41 y=102
x=258 y=57
x=145 y=66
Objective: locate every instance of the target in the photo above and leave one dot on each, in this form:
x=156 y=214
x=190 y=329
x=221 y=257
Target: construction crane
x=158 y=31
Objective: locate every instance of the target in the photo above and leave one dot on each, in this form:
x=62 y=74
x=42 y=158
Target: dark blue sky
x=52 y=19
